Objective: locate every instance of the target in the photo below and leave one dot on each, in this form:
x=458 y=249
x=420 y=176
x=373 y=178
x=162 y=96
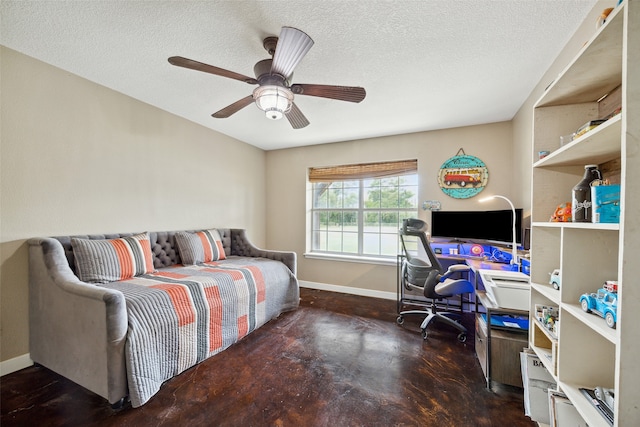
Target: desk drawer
x=505 y=356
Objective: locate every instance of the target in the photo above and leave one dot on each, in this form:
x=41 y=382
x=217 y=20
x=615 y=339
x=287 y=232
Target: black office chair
x=428 y=276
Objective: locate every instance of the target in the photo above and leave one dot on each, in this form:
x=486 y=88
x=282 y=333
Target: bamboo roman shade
x=362 y=171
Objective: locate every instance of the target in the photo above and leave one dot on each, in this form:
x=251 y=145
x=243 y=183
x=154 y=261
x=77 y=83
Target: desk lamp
x=514 y=246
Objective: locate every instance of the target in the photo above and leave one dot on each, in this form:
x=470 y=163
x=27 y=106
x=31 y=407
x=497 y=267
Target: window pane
x=351 y=184
x=335 y=220
x=371 y=244
x=334 y=241
x=350 y=221
x=319 y=195
x=389 y=222
x=350 y=243
x=408 y=198
x=319 y=240
x=389 y=244
x=371 y=182
x=389 y=197
x=351 y=198
x=335 y=197
x=371 y=222
x=389 y=182
x=320 y=220
x=372 y=197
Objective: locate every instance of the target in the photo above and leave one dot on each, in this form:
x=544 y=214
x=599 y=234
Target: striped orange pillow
x=202 y=246
x=109 y=260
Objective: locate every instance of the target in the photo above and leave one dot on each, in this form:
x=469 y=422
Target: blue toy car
x=603 y=303
x=555 y=279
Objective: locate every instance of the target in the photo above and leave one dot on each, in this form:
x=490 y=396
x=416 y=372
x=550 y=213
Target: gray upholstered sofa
x=112 y=339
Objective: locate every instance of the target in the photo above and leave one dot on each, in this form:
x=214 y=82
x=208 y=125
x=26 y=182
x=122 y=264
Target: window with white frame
x=356 y=210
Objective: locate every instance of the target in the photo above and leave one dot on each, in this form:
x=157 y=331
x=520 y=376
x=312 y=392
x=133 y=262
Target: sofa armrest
x=241 y=246
x=77 y=329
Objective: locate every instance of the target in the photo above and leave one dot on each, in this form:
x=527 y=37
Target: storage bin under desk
x=506 y=347
x=498 y=349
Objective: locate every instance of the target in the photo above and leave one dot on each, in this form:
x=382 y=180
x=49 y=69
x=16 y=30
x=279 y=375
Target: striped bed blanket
x=181 y=315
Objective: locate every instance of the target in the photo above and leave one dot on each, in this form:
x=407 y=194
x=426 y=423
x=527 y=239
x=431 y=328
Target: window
x=356 y=210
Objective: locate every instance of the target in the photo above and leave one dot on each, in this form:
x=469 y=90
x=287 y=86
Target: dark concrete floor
x=339 y=360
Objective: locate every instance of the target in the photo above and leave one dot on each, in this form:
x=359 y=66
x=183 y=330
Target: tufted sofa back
x=163 y=246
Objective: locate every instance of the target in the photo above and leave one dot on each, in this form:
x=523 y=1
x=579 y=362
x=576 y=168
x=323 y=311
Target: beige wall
x=78 y=158
x=286 y=189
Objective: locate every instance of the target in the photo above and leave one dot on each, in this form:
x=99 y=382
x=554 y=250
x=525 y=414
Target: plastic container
x=507 y=289
x=565 y=139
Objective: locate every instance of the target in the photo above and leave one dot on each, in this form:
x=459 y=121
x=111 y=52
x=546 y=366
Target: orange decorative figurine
x=562 y=213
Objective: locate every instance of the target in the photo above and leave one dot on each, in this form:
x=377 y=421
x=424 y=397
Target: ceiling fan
x=274 y=94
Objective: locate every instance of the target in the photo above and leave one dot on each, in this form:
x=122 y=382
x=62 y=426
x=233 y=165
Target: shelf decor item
x=605 y=202
x=562 y=213
x=603 y=408
x=591 y=124
x=548 y=316
x=603 y=303
x=554 y=279
x=581 y=194
x=463 y=176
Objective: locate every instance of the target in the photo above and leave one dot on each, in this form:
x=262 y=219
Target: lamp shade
x=274 y=100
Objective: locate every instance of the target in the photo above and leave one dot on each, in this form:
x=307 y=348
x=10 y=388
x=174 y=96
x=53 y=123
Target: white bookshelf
x=587 y=353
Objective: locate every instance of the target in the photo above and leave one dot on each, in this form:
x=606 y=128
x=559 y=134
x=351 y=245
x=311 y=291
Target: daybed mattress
x=177 y=317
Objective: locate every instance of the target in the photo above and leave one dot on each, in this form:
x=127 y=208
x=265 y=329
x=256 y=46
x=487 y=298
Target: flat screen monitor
x=476 y=226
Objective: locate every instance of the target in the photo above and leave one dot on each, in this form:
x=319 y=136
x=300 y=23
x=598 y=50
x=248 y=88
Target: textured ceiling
x=425 y=64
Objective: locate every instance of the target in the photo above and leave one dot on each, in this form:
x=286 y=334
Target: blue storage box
x=605 y=203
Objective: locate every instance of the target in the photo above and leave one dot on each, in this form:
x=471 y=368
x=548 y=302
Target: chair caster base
x=400 y=320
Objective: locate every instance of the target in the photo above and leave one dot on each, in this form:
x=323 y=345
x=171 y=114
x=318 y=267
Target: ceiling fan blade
x=199 y=66
x=341 y=93
x=292 y=46
x=296 y=118
x=233 y=108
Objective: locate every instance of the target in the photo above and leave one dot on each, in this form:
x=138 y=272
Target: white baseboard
x=348 y=290
x=15 y=364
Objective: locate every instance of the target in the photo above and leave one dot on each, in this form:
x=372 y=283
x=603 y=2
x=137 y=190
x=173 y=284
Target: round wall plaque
x=463 y=176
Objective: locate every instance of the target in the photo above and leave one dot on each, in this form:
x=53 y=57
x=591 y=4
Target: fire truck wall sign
x=463 y=176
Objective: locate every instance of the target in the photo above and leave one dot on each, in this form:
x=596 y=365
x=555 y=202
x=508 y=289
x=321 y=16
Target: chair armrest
x=455 y=268
x=458 y=267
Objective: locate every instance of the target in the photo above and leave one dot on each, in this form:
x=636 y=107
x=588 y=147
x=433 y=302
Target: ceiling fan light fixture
x=275 y=101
